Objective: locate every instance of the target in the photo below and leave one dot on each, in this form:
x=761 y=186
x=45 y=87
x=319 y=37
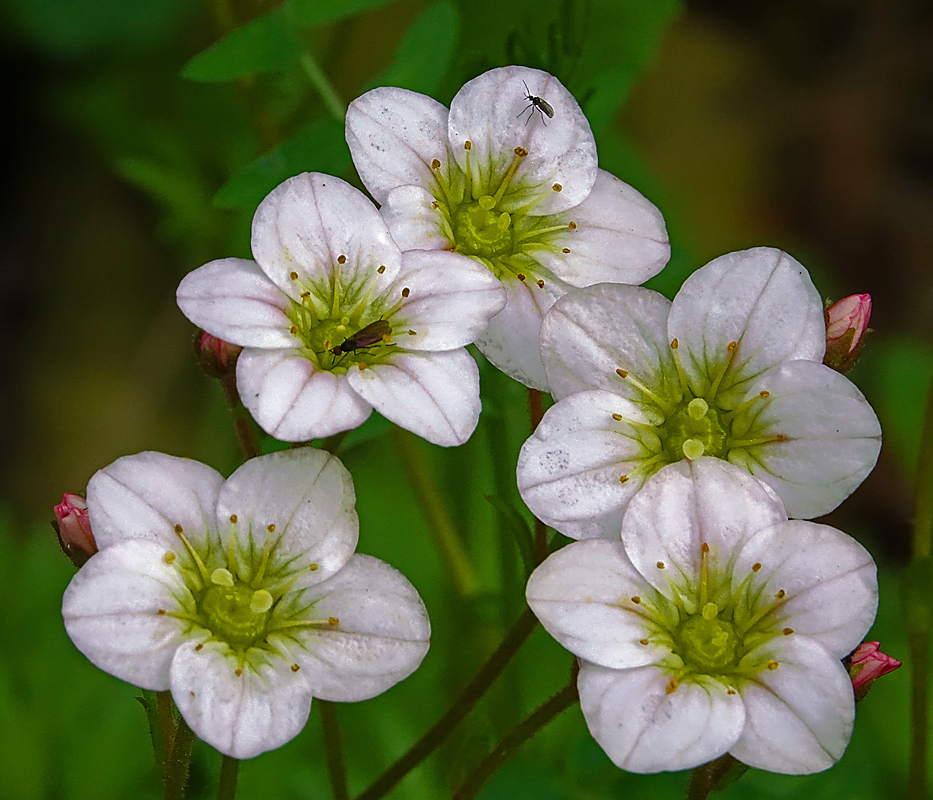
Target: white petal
x=242 y=715
x=761 y=298
x=292 y=400
x=488 y=112
x=144 y=496
x=569 y=469
x=799 y=716
x=832 y=437
x=111 y=611
x=413 y=220
x=380 y=638
x=511 y=340
x=687 y=505
x=308 y=495
x=644 y=728
x=435 y=395
x=592 y=332
x=233 y=299
x=303 y=227
x=619 y=238
x=394 y=135
x=829 y=578
x=577 y=594
x=451 y=300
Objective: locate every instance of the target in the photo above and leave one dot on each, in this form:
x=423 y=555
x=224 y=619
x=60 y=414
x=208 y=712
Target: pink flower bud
x=846 y=326
x=73 y=526
x=217 y=357
x=867 y=664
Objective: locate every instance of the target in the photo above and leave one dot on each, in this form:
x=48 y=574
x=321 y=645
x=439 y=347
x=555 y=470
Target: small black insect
x=368 y=336
x=539 y=104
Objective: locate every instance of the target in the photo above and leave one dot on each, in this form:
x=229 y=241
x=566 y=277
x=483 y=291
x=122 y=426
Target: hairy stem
x=229 y=769
x=333 y=751
x=176 y=768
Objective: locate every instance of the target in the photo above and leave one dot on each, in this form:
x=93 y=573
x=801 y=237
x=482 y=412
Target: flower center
x=480 y=230
x=707 y=643
x=235 y=612
x=693 y=430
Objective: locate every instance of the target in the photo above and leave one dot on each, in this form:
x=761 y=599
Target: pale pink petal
x=415 y=220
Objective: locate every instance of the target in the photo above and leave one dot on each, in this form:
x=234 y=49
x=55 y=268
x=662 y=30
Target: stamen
x=233 y=518
x=169 y=557
x=746 y=405
x=660 y=565
x=565 y=250
x=557 y=187
x=333 y=622
x=681 y=375
x=293 y=276
x=540 y=283
x=787 y=631
x=623 y=479
x=617 y=417
x=572 y=225
x=295 y=668
x=659 y=401
x=731 y=349
x=382 y=268
x=406 y=291
x=520 y=153
x=746 y=443
x=772 y=665
x=191 y=552
x=435 y=164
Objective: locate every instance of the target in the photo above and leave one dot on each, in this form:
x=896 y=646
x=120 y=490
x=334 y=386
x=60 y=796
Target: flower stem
x=515 y=738
x=536 y=412
x=333 y=751
x=241 y=420
x=468 y=698
x=705 y=778
x=229 y=768
x=918 y=619
x=176 y=768
x=438 y=516
x=323 y=87
x=166 y=724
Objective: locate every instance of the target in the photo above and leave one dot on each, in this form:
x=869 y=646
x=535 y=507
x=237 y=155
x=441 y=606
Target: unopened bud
x=846 y=326
x=73 y=526
x=866 y=665
x=216 y=357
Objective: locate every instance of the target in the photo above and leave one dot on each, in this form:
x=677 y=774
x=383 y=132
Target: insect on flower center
x=235 y=612
x=707 y=642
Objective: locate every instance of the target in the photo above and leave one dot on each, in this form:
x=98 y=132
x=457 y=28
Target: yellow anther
x=467 y=145
x=293 y=276
x=520 y=276
x=271 y=528
x=674 y=344
x=781 y=594
x=233 y=518
x=521 y=152
x=295 y=668
x=572 y=225
x=557 y=187
x=756 y=566
x=617 y=417
x=179 y=529
x=787 y=631
x=623 y=479
x=636 y=600
x=312 y=567
x=341 y=259
x=333 y=622
x=621 y=373
x=169 y=557
x=660 y=565
x=671 y=686
x=643 y=641
x=540 y=283
x=772 y=665
x=382 y=268
x=435 y=164
x=565 y=250
x=406 y=291
x=704 y=548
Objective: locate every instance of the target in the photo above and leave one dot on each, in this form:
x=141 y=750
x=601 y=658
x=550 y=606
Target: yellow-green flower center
x=480 y=230
x=235 y=612
x=707 y=642
x=693 y=430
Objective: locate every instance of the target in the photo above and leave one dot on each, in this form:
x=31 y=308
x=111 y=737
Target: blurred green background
x=129 y=159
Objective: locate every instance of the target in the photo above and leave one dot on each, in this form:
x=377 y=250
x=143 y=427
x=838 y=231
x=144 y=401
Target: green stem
x=166 y=724
x=229 y=769
x=515 y=738
x=430 y=498
x=241 y=419
x=332 y=443
x=536 y=412
x=176 y=768
x=468 y=698
x=333 y=751
x=323 y=87
x=705 y=778
x=919 y=620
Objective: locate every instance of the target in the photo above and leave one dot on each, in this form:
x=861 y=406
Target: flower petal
x=831 y=437
x=415 y=220
x=618 y=237
x=764 y=300
x=644 y=727
x=830 y=581
x=292 y=400
x=799 y=716
x=233 y=299
x=241 y=715
x=394 y=135
x=576 y=593
x=511 y=340
x=144 y=496
x=569 y=470
x=307 y=496
x=307 y=223
x=111 y=611
x=592 y=332
x=450 y=303
x=689 y=505
x=380 y=637
x=434 y=395
x=488 y=112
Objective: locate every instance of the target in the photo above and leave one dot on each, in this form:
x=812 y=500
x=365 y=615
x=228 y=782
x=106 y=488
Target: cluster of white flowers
x=683 y=436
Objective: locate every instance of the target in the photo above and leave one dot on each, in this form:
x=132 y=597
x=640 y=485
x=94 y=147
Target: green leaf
x=426 y=50
x=514 y=523
x=320 y=147
x=267 y=44
x=918 y=594
x=317 y=12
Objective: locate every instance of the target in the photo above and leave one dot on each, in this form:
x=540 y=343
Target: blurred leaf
x=317 y=12
x=266 y=44
x=609 y=92
x=425 y=52
x=515 y=524
x=320 y=147
x=918 y=594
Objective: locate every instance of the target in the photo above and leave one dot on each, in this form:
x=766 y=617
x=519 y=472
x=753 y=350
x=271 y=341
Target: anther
x=572 y=225
x=295 y=668
x=260 y=602
x=233 y=518
x=271 y=527
x=521 y=276
x=222 y=577
x=161 y=612
x=772 y=665
x=617 y=417
x=197 y=649
x=636 y=599
x=435 y=205
x=333 y=621
x=780 y=438
x=623 y=479
x=305 y=295
x=674 y=344
x=412 y=333
x=293 y=330
x=435 y=164
x=540 y=283
x=406 y=291
x=732 y=347
x=643 y=641
x=763 y=394
x=756 y=566
x=381 y=269
x=557 y=187
x=704 y=548
x=565 y=250
x=341 y=259
x=467 y=145
x=730 y=690
x=312 y=567
x=169 y=557
x=521 y=152
x=293 y=276
x=179 y=529
x=621 y=373
x=660 y=565
x=238 y=672
x=787 y=631
x=671 y=686
x=780 y=594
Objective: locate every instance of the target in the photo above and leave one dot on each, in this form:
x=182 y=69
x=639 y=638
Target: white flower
x=335 y=321
x=244 y=597
x=715 y=625
x=731 y=369
x=497 y=180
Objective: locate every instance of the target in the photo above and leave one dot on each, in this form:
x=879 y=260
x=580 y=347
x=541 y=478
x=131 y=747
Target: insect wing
x=372 y=334
x=546 y=107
